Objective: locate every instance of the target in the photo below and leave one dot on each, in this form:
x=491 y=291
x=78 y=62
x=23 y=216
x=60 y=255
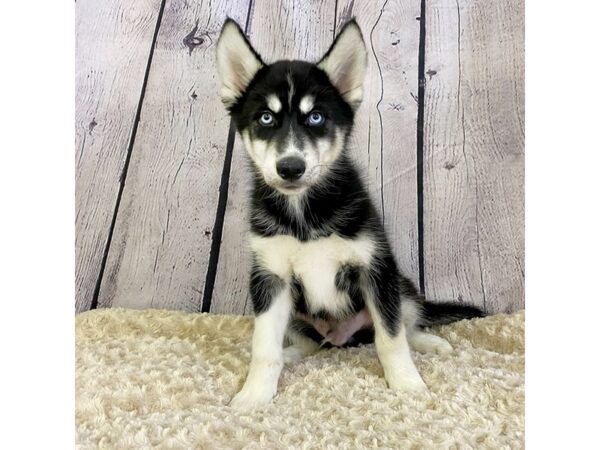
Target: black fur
x=263 y=287
x=348 y=279
x=445 y=313
x=340 y=204
x=300 y=305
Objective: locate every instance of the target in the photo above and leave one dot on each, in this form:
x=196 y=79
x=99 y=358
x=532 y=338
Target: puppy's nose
x=290 y=168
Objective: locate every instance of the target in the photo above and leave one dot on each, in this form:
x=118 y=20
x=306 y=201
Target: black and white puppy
x=323 y=273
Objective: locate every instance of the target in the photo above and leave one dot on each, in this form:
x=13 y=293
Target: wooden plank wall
x=473 y=152
x=162 y=235
x=162 y=179
x=113 y=43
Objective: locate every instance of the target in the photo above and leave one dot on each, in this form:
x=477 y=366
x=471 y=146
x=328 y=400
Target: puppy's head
x=293 y=116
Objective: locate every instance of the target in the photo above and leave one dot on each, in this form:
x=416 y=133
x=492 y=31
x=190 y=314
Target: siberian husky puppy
x=323 y=272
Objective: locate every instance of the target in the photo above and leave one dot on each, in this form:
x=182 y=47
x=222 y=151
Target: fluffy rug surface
x=163 y=379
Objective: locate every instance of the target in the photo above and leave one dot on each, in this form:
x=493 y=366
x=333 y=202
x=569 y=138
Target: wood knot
x=196 y=41
x=431 y=73
x=191 y=41
x=449 y=166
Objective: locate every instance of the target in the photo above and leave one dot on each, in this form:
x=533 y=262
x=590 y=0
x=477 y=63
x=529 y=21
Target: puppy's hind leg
x=382 y=299
x=418 y=339
x=428 y=343
x=300 y=344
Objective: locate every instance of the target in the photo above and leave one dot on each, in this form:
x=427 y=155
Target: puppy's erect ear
x=237 y=62
x=346 y=63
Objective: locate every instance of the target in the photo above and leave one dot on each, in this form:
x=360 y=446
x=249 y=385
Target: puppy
x=323 y=272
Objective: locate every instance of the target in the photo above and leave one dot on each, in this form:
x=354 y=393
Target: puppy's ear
x=346 y=63
x=237 y=62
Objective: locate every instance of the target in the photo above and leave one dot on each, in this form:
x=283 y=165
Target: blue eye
x=266 y=119
x=316 y=119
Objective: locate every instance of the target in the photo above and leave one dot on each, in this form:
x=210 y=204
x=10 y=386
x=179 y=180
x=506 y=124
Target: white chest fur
x=314 y=262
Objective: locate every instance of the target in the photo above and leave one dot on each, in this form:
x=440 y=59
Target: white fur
x=274 y=103
x=300 y=346
x=267 y=354
x=295 y=204
x=419 y=340
x=264 y=156
x=394 y=353
x=328 y=153
x=236 y=63
x=346 y=64
x=291 y=90
x=410 y=314
x=291 y=149
x=306 y=104
x=315 y=262
x=428 y=343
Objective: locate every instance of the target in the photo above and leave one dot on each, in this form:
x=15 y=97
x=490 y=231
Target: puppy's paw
x=429 y=343
x=293 y=354
x=252 y=397
x=406 y=382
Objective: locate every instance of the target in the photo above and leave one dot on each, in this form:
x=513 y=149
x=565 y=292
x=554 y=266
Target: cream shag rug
x=164 y=379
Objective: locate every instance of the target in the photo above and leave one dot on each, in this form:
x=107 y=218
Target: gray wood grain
x=278 y=30
x=473 y=144
x=384 y=139
x=162 y=237
x=113 y=40
x=473 y=153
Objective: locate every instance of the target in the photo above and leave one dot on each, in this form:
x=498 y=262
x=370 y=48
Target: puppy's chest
x=314 y=264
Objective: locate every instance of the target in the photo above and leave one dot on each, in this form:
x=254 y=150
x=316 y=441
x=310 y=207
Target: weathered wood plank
x=473 y=153
x=113 y=41
x=384 y=140
x=162 y=237
x=278 y=30
x=391 y=34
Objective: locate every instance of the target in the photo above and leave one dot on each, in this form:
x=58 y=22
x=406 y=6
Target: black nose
x=290 y=168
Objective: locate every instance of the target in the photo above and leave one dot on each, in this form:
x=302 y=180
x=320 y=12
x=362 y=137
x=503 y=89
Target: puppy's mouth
x=292 y=187
x=297 y=186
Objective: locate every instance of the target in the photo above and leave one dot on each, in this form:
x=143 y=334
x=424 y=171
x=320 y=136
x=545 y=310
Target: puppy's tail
x=431 y=313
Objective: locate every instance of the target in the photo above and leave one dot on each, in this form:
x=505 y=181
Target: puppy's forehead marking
x=306 y=104
x=293 y=144
x=273 y=103
x=291 y=89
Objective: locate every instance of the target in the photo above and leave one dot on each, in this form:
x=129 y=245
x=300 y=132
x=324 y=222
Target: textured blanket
x=164 y=379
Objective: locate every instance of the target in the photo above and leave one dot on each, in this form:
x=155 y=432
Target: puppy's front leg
x=383 y=302
x=267 y=349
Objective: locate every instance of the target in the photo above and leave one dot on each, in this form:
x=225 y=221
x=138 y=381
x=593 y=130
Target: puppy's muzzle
x=290 y=168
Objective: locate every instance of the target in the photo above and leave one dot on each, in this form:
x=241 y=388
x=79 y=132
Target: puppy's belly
x=339 y=332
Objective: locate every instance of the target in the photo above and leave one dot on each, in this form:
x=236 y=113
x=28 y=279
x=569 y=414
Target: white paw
x=292 y=354
x=443 y=347
x=406 y=382
x=251 y=398
x=430 y=343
